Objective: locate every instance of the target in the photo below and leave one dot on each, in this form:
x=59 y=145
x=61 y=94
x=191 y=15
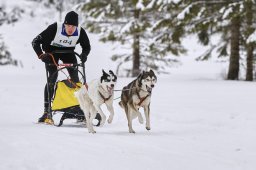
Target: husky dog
x=138 y=94
x=91 y=98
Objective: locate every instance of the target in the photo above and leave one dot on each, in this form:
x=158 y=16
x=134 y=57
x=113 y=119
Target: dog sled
x=63 y=100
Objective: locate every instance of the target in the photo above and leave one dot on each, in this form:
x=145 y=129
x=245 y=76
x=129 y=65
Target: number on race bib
x=66 y=42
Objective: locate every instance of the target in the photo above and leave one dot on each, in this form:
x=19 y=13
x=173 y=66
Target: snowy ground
x=196 y=124
x=199 y=121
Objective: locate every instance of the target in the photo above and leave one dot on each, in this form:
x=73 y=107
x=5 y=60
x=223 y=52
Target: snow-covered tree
x=7 y=18
x=60 y=5
x=131 y=23
x=5 y=56
x=231 y=19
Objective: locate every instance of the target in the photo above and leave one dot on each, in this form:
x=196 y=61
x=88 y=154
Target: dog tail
x=80 y=91
x=121 y=104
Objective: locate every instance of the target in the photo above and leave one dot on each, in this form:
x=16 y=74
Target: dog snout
x=152 y=85
x=112 y=85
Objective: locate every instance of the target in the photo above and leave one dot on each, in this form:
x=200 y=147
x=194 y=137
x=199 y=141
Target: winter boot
x=43 y=117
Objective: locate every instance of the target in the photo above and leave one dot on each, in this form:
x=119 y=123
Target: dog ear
x=104 y=75
x=103 y=72
x=152 y=73
x=112 y=73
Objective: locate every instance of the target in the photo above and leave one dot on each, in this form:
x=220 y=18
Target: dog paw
x=141 y=120
x=148 y=128
x=92 y=131
x=102 y=123
x=131 y=131
x=110 y=120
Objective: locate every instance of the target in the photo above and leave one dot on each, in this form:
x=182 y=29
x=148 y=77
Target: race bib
x=62 y=40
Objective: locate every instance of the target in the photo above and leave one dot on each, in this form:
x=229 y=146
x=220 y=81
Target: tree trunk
x=249 y=64
x=233 y=71
x=136 y=56
x=136 y=48
x=249 y=47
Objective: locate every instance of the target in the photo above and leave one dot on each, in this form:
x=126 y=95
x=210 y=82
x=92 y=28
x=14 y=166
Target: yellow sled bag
x=64 y=95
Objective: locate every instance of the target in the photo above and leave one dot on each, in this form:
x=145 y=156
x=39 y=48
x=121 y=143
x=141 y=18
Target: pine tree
x=132 y=24
x=229 y=18
x=167 y=31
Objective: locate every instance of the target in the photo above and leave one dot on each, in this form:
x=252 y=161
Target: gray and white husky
x=98 y=92
x=138 y=94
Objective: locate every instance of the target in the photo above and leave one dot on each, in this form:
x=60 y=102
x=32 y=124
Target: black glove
x=46 y=58
x=83 y=57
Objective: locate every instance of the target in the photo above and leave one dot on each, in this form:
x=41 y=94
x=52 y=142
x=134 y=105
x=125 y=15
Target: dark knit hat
x=71 y=18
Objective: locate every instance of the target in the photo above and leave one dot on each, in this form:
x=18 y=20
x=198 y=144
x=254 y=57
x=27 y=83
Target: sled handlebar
x=65 y=65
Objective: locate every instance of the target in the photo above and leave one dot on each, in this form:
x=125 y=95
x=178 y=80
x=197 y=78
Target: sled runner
x=63 y=100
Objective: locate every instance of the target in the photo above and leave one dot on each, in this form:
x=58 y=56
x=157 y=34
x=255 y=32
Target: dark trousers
x=53 y=75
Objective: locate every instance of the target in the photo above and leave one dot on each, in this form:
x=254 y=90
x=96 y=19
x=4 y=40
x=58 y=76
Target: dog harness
x=141 y=99
x=105 y=99
x=61 y=38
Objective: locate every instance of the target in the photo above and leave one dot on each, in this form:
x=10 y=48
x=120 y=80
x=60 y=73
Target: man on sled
x=60 y=36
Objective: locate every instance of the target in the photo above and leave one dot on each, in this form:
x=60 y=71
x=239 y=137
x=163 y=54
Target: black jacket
x=46 y=37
